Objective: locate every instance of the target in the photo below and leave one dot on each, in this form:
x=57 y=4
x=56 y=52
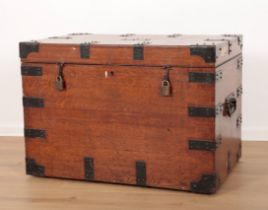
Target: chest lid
x=131 y=49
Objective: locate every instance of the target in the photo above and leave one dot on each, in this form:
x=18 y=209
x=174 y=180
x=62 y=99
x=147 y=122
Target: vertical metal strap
x=140 y=173
x=89 y=168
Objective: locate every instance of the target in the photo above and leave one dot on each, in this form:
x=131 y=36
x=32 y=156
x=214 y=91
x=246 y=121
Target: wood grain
x=112 y=111
x=119 y=120
x=245 y=189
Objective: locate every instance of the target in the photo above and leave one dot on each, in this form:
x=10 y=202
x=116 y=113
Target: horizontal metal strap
x=201 y=77
x=31 y=71
x=34 y=133
x=202 y=145
x=33 y=102
x=201 y=111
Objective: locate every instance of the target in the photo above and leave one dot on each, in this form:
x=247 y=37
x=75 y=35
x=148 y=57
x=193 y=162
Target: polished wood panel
x=245 y=189
x=119 y=120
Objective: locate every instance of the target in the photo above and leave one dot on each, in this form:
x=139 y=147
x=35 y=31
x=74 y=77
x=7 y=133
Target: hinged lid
x=131 y=49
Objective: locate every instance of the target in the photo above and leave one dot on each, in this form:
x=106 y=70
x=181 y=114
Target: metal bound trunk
x=150 y=110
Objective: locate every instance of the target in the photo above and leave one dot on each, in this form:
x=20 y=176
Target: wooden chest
x=149 y=110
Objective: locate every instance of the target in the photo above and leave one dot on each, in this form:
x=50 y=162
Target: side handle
x=229 y=106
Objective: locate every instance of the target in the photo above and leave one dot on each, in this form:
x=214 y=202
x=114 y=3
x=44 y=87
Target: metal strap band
x=202 y=145
x=138 y=52
x=33 y=102
x=201 y=77
x=89 y=168
x=34 y=133
x=85 y=50
x=140 y=173
x=31 y=71
x=201 y=112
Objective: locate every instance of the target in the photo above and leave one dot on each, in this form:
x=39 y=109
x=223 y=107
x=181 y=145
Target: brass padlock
x=60 y=83
x=165 y=88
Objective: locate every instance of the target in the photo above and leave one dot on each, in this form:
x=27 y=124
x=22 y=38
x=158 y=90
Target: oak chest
x=149 y=110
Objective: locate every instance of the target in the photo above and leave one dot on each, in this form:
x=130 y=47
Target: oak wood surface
x=117 y=121
x=245 y=189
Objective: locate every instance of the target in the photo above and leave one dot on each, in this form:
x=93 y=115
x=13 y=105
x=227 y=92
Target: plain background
x=31 y=19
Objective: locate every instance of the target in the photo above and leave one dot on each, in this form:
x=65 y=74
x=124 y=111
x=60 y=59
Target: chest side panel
x=228 y=123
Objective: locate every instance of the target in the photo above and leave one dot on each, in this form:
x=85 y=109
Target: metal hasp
x=32 y=168
x=85 y=50
x=140 y=173
x=31 y=71
x=202 y=77
x=201 y=112
x=89 y=168
x=33 y=102
x=28 y=47
x=207 y=184
x=138 y=52
x=208 y=53
x=34 y=133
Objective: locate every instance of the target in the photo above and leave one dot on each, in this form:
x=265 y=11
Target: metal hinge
x=31 y=71
x=140 y=173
